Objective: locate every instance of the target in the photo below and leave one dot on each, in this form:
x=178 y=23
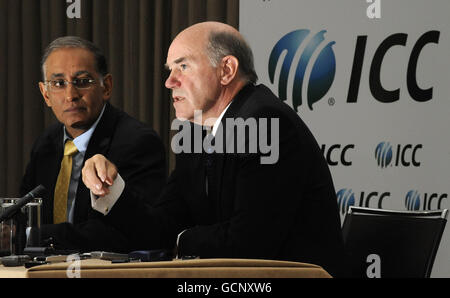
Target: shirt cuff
x=105 y=204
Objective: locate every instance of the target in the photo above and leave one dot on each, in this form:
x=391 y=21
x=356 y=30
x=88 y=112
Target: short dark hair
x=222 y=44
x=76 y=42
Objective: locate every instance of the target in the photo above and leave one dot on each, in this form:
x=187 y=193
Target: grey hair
x=76 y=42
x=222 y=44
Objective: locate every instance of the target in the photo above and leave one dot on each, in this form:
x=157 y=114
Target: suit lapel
x=101 y=138
x=232 y=112
x=50 y=162
x=98 y=144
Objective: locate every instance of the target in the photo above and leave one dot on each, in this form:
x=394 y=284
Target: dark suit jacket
x=134 y=148
x=284 y=211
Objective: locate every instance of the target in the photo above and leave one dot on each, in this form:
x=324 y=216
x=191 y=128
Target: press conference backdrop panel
x=372 y=81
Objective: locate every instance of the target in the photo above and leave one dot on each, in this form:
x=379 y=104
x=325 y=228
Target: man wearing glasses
x=77 y=87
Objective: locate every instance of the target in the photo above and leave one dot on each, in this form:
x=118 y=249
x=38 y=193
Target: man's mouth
x=177 y=99
x=74 y=109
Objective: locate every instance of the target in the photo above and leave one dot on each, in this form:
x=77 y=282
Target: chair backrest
x=392 y=244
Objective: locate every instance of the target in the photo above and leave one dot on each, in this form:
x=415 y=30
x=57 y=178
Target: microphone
x=11 y=211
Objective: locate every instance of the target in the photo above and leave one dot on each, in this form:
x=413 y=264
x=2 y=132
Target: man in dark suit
x=260 y=188
x=77 y=87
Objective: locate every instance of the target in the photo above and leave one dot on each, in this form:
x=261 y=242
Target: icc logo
x=309 y=61
x=386 y=155
x=317 y=79
x=430 y=201
x=347 y=197
x=338 y=151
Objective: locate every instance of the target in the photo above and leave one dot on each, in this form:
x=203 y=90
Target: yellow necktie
x=62 y=184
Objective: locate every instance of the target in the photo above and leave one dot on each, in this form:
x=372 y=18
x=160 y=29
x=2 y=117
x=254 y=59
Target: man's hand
x=99 y=174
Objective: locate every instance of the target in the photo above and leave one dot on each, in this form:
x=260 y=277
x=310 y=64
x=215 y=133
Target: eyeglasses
x=79 y=84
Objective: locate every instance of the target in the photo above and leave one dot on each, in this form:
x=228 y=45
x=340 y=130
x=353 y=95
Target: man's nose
x=172 y=81
x=71 y=93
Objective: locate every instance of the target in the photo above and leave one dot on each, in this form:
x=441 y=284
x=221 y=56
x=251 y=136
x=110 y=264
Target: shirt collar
x=82 y=141
x=244 y=92
x=217 y=123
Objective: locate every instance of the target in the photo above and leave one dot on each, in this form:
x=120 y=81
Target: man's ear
x=229 y=69
x=44 y=93
x=107 y=87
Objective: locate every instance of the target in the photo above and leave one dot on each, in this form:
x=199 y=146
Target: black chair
x=392 y=244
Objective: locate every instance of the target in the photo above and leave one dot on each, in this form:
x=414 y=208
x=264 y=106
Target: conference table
x=196 y=268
